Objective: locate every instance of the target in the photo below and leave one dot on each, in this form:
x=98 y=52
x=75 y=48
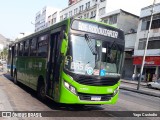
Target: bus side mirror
x=64 y=43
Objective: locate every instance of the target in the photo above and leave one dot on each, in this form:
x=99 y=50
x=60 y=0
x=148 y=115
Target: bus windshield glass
x=92 y=57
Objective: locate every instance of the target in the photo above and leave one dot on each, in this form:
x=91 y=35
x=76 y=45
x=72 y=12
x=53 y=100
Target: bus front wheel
x=41 y=91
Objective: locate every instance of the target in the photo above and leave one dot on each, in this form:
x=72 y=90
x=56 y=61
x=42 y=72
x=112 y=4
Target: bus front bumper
x=66 y=96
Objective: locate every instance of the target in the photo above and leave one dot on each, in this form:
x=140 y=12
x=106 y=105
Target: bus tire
x=15 y=77
x=41 y=91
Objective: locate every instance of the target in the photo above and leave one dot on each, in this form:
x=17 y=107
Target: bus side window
x=43 y=46
x=21 y=49
x=26 y=48
x=33 y=47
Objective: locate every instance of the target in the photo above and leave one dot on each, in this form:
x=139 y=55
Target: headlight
x=116 y=91
x=70 y=87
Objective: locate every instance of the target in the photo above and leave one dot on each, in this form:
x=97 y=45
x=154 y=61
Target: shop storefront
x=151 y=67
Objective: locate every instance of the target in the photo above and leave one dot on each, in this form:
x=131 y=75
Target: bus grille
x=97 y=81
x=104 y=97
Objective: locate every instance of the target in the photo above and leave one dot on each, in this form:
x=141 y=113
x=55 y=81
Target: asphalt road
x=21 y=98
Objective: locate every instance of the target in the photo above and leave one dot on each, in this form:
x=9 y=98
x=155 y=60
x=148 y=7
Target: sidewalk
x=132 y=86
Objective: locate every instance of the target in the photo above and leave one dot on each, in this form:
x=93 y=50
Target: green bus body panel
x=29 y=69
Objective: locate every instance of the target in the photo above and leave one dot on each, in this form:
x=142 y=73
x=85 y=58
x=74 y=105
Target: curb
x=132 y=83
x=140 y=91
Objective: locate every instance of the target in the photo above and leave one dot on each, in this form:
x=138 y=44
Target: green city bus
x=76 y=61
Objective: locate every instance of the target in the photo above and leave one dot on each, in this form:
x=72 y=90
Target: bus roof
x=64 y=22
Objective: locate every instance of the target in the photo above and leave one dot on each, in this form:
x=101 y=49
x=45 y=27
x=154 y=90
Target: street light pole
x=145 y=50
x=97 y=11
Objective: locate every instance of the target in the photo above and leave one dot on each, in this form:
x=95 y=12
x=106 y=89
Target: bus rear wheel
x=41 y=91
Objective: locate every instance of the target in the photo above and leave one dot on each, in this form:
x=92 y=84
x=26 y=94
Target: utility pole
x=97 y=11
x=145 y=50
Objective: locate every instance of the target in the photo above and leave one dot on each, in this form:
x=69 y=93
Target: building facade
x=41 y=19
x=129 y=24
x=91 y=9
x=151 y=69
x=84 y=9
x=53 y=18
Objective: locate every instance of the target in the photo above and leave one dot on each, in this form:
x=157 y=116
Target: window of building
x=43 y=46
x=26 y=48
x=113 y=19
x=87 y=5
x=141 y=45
x=54 y=20
x=105 y=20
x=153 y=43
x=70 y=14
x=33 y=47
x=93 y=14
x=102 y=11
x=155 y=22
x=81 y=8
x=66 y=16
x=87 y=16
x=61 y=18
x=75 y=12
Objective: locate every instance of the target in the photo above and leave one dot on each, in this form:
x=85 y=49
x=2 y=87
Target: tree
x=4 y=54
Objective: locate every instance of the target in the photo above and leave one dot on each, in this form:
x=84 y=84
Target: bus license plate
x=97 y=98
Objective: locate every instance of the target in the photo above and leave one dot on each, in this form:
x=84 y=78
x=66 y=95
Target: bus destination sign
x=94 y=28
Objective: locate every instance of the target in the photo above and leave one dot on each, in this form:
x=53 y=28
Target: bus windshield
x=89 y=56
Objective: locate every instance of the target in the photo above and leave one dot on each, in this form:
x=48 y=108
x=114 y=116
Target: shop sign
x=149 y=60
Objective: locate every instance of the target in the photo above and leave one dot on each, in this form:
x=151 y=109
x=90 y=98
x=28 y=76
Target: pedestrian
x=148 y=77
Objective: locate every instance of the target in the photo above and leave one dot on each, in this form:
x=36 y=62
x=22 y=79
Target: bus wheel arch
x=41 y=88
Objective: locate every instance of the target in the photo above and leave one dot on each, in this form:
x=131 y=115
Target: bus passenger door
x=51 y=64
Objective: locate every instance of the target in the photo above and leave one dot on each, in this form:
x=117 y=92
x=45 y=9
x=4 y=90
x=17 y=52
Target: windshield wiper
x=90 y=44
